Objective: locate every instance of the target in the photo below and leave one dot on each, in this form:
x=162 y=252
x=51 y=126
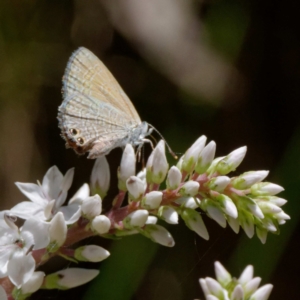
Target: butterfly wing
x=88 y=125
x=86 y=74
x=96 y=115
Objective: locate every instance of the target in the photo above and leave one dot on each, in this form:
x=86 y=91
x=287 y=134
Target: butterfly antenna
x=169 y=148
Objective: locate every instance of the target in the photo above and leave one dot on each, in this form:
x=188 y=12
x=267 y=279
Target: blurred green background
x=226 y=69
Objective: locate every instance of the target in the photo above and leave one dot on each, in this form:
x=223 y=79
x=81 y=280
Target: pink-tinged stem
x=119 y=200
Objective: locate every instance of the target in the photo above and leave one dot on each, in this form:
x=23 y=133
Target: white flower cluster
x=227 y=287
x=198 y=182
x=48 y=226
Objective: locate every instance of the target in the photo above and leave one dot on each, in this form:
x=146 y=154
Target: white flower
x=15 y=242
x=227 y=287
x=100 y=178
x=55 y=187
x=20 y=268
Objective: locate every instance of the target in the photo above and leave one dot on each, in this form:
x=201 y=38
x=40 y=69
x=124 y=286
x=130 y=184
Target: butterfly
x=96 y=115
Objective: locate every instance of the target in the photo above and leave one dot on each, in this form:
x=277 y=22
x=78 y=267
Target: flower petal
x=33 y=192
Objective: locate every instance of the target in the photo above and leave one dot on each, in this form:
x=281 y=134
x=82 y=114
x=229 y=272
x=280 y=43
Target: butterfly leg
x=148 y=141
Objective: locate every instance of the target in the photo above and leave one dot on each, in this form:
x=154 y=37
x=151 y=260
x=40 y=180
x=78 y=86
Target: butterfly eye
x=80 y=140
x=73 y=131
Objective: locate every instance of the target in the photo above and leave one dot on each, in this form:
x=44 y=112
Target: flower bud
x=158 y=234
x=157 y=165
x=57 y=232
x=227 y=205
x=246 y=275
x=100 y=178
x=91 y=253
x=234 y=224
x=214 y=287
x=189 y=202
x=252 y=285
x=216 y=214
x=101 y=224
x=142 y=175
x=69 y=278
x=252 y=205
x=212 y=168
x=91 y=207
x=206 y=157
x=136 y=187
x=179 y=163
x=247 y=179
x=269 y=208
x=190 y=188
x=282 y=216
x=231 y=161
x=127 y=167
x=222 y=275
x=136 y=219
x=80 y=195
x=247 y=222
x=151 y=220
x=262 y=234
x=238 y=293
x=174 y=178
x=33 y=284
x=191 y=155
x=194 y=221
x=168 y=214
x=218 y=183
x=275 y=200
x=152 y=200
x=266 y=189
x=262 y=293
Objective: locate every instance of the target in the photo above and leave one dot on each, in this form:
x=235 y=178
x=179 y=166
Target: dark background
x=226 y=69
